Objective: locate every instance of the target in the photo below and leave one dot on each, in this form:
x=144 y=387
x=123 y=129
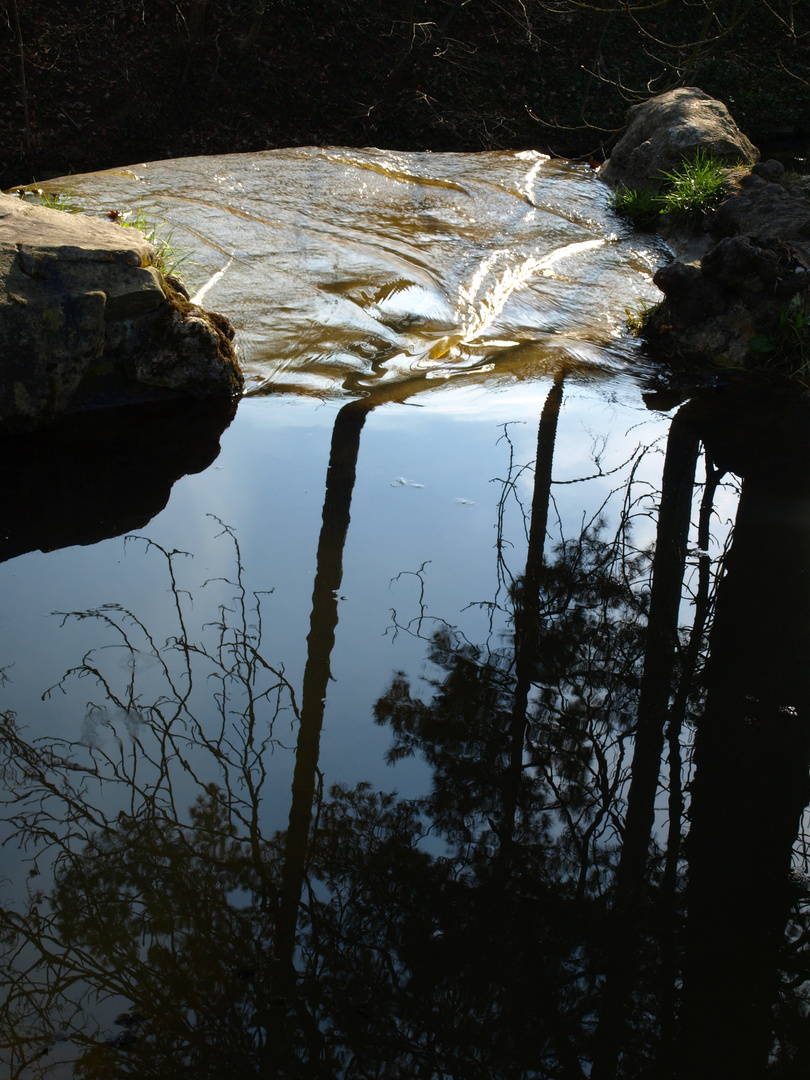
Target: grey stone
x=665 y=130
x=753 y=251
x=81 y=304
x=769 y=170
x=763 y=208
x=744 y=265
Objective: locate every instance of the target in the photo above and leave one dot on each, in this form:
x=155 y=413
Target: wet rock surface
x=86 y=318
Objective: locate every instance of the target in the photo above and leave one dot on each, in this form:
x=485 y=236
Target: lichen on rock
x=190 y=351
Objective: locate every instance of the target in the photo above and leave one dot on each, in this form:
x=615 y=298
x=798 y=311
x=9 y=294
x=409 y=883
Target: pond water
x=444 y=711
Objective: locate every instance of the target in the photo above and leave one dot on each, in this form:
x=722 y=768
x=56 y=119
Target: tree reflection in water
x=538 y=913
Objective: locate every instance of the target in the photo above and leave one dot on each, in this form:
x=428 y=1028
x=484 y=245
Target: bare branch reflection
x=606 y=875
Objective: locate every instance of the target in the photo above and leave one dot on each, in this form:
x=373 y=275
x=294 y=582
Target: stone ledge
x=81 y=302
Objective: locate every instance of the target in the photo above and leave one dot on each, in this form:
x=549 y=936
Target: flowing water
x=443 y=713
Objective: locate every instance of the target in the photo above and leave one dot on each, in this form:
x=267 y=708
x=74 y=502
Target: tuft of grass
x=683 y=195
x=639 y=206
x=694 y=189
x=787 y=344
x=168 y=259
x=54 y=200
x=636 y=318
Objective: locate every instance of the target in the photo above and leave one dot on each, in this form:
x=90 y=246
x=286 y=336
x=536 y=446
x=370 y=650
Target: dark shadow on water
x=745 y=944
x=101 y=473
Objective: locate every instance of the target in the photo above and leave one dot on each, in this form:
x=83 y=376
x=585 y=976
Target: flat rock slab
x=82 y=302
x=54 y=233
x=352 y=271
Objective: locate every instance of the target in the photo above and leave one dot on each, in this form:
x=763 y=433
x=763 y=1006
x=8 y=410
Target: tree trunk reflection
x=669 y=562
x=528 y=914
x=340 y=479
x=527 y=616
x=752 y=753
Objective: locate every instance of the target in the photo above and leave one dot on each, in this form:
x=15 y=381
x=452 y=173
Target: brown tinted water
x=443 y=713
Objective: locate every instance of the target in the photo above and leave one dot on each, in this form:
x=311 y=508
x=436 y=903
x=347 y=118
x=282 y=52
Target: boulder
x=665 y=130
x=86 y=317
x=745 y=268
x=763 y=202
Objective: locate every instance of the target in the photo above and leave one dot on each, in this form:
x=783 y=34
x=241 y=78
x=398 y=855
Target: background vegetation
x=89 y=84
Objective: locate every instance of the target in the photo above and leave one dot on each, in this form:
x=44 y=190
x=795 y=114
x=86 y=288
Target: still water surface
x=443 y=713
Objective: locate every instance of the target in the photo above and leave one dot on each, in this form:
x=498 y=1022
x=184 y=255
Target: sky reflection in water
x=370 y=801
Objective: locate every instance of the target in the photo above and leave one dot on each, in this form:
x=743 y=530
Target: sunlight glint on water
x=345 y=269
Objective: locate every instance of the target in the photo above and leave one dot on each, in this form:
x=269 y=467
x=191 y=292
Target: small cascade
x=344 y=270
